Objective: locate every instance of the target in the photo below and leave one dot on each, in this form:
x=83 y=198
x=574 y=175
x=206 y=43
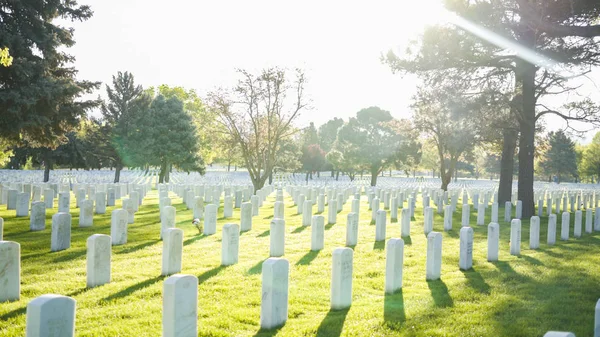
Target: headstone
x=507 y=211
x=278 y=210
x=341 y=278
x=98 y=260
x=86 y=213
x=493 y=241
x=49 y=198
x=394 y=262
x=307 y=213
x=118 y=227
x=79 y=196
x=352 y=229
x=301 y=199
x=277 y=238
x=515 y=237
x=320 y=203
x=394 y=210
x=551 y=229
x=465 y=261
x=22 y=204
x=577 y=225
x=565 y=226
x=588 y=220
x=332 y=212
x=559 y=334
x=534 y=232
x=180 y=306
x=495 y=212
x=64 y=202
x=519 y=209
x=37 y=221
x=111 y=196
x=61 y=232
x=405 y=222
x=356 y=206
x=1 y=229
x=10 y=271
x=172 y=251
x=374 y=208
x=434 y=256
x=274 y=299
x=210 y=219
x=230 y=244
x=100 y=202
x=466 y=215
x=127 y=204
x=238 y=198
x=481 y=214
x=198 y=207
x=597 y=320
x=254 y=201
x=11 y=201
x=50 y=316
x=447 y=218
x=227 y=207
x=246 y=216
x=540 y=207
x=317 y=235
x=428 y=220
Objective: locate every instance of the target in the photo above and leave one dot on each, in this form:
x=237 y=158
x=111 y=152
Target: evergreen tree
x=561 y=159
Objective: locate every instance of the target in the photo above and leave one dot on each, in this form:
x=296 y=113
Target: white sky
x=198 y=44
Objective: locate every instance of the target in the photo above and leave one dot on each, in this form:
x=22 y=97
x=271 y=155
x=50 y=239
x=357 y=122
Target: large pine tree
x=38 y=91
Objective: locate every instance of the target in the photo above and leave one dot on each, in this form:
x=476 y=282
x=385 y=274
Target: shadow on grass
x=209 y=274
x=300 y=229
x=138 y=247
x=453 y=233
x=257 y=268
x=329 y=226
x=70 y=255
x=265 y=233
x=407 y=240
x=194 y=239
x=532 y=260
x=307 y=258
x=267 y=332
x=78 y=291
x=138 y=286
x=332 y=324
x=393 y=310
x=476 y=281
x=14 y=313
x=439 y=292
x=379 y=245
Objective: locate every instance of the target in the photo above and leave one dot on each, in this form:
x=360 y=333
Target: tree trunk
x=507 y=162
x=527 y=138
x=163 y=172
x=228 y=165
x=337 y=176
x=47 y=164
x=306 y=177
x=332 y=173
x=270 y=179
x=374 y=174
x=446 y=180
x=118 y=168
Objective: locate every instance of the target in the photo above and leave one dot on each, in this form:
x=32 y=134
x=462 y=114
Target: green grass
x=552 y=288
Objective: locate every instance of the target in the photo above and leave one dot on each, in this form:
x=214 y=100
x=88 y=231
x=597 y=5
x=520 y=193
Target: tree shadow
x=138 y=247
x=476 y=281
x=307 y=258
x=393 y=310
x=332 y=324
x=265 y=233
x=194 y=239
x=70 y=255
x=131 y=289
x=532 y=260
x=379 y=245
x=209 y=274
x=439 y=292
x=256 y=269
x=300 y=229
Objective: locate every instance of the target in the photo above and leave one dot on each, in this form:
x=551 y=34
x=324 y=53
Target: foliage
x=40 y=95
x=327 y=133
x=288 y=155
x=590 y=162
x=5 y=58
x=259 y=113
x=313 y=158
x=560 y=159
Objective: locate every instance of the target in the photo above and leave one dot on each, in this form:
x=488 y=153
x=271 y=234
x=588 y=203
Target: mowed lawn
x=552 y=288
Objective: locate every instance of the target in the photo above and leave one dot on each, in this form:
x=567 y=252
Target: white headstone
x=466 y=215
x=507 y=211
x=49 y=198
x=534 y=232
x=588 y=220
x=61 y=232
x=118 y=227
x=495 y=212
x=493 y=241
x=341 y=278
x=394 y=263
x=128 y=204
x=551 y=229
x=210 y=219
x=332 y=212
x=277 y=238
x=86 y=213
x=428 y=220
x=111 y=196
x=254 y=200
x=434 y=256
x=180 y=306
x=380 y=225
x=597 y=320
x=352 y=229
x=519 y=209
x=37 y=221
x=51 y=316
x=447 y=218
x=565 y=226
x=278 y=210
x=246 y=216
x=1 y=229
x=100 y=202
x=11 y=199
x=515 y=237
x=465 y=261
x=172 y=251
x=98 y=260
x=10 y=271
x=577 y=225
x=22 y=204
x=317 y=236
x=64 y=202
x=227 y=207
x=559 y=334
x=230 y=244
x=274 y=299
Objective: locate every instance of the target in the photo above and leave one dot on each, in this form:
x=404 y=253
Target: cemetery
x=141 y=268
x=315 y=168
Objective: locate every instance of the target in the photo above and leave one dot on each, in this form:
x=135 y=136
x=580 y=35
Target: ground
x=552 y=288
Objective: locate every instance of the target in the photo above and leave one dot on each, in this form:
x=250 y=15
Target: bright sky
x=198 y=44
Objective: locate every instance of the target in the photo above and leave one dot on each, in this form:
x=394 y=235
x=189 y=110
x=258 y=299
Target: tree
x=342 y=162
x=288 y=155
x=560 y=159
x=5 y=58
x=328 y=133
x=39 y=92
x=450 y=118
x=167 y=138
x=376 y=140
x=507 y=42
x=313 y=158
x=125 y=99
x=430 y=160
x=259 y=113
x=590 y=163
